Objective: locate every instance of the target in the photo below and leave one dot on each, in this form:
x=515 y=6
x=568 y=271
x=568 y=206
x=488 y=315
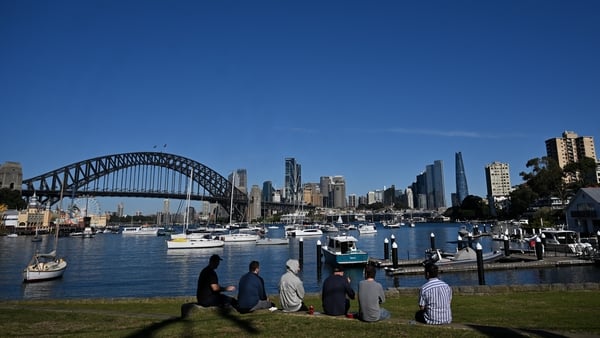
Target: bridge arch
x=137 y=174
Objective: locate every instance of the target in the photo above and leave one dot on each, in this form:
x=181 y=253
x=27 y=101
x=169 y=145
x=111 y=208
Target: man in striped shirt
x=435 y=298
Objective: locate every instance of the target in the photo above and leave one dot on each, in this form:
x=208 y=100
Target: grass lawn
x=513 y=314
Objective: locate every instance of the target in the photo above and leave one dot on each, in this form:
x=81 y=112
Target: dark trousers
x=218 y=300
x=420 y=316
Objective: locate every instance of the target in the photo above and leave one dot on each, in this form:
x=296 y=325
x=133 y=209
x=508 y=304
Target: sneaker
x=273 y=308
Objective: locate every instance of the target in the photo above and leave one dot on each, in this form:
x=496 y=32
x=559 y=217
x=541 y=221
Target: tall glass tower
x=462 y=191
x=293 y=180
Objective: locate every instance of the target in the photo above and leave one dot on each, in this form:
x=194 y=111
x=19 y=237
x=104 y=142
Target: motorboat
x=465 y=255
x=140 y=231
x=273 y=241
x=342 y=250
x=45 y=266
x=368 y=228
x=564 y=241
x=305 y=232
x=330 y=228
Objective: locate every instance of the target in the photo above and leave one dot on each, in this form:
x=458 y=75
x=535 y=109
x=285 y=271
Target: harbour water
x=115 y=266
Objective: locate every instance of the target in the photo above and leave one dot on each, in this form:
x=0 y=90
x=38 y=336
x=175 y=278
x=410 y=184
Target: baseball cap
x=215 y=258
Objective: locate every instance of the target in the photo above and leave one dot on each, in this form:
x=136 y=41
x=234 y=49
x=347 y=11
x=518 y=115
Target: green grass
x=534 y=314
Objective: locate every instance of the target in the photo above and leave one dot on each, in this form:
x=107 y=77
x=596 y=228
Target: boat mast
x=187 y=205
x=231 y=204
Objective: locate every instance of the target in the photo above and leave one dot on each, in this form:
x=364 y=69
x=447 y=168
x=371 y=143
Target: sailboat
x=194 y=240
x=45 y=266
x=36 y=237
x=237 y=236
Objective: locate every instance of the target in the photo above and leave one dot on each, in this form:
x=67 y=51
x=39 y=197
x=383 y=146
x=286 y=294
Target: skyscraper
x=462 y=189
x=241 y=179
x=429 y=192
x=267 y=191
x=293 y=181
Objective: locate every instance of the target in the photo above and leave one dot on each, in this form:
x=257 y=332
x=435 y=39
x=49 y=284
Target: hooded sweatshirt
x=291 y=289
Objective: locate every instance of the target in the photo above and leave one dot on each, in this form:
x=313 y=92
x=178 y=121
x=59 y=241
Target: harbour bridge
x=138 y=174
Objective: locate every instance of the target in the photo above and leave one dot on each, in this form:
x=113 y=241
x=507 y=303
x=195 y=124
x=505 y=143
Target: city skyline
x=372 y=92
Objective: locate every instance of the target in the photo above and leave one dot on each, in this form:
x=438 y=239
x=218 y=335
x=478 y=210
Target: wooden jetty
x=514 y=261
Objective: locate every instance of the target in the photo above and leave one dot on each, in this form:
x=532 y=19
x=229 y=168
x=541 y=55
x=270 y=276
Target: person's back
x=335 y=289
x=291 y=288
x=252 y=295
x=370 y=296
x=435 y=298
x=437 y=295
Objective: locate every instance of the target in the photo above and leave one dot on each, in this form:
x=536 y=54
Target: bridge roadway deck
x=514 y=261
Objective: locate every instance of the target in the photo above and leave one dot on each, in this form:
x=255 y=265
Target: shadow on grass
x=151 y=330
x=496 y=331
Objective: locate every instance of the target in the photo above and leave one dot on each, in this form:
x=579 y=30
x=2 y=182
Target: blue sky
x=371 y=90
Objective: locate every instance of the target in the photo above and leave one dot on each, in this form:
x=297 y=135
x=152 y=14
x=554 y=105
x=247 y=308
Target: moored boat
x=367 y=229
x=306 y=232
x=140 y=231
x=273 y=241
x=465 y=255
x=342 y=250
x=45 y=266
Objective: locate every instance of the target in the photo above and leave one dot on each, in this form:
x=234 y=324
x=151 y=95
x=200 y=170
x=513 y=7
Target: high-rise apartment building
x=312 y=194
x=570 y=148
x=293 y=181
x=462 y=189
x=497 y=178
x=11 y=176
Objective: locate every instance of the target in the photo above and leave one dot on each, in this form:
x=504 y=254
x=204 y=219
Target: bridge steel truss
x=140 y=174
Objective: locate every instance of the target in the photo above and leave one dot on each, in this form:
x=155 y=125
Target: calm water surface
x=111 y=265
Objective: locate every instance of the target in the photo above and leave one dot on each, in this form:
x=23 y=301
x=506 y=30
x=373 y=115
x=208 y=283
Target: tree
x=520 y=200
x=12 y=199
x=546 y=177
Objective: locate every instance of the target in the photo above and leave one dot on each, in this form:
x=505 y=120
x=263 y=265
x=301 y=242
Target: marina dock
x=514 y=261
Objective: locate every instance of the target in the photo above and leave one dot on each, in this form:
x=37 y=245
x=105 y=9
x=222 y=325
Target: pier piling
x=506 y=246
x=395 y=255
x=432 y=240
x=480 y=272
x=301 y=251
x=538 y=249
x=386 y=249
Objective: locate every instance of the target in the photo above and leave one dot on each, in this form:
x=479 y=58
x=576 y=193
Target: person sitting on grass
x=370 y=296
x=435 y=298
x=291 y=288
x=209 y=291
x=335 y=293
x=251 y=294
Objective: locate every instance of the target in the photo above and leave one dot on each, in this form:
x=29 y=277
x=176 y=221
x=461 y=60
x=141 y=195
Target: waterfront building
x=462 y=190
x=583 y=212
x=11 y=176
x=293 y=181
x=371 y=197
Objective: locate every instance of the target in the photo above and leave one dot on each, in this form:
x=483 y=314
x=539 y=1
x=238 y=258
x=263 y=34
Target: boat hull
x=44 y=271
x=194 y=243
x=273 y=241
x=353 y=258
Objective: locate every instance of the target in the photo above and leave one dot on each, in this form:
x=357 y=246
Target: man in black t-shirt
x=209 y=290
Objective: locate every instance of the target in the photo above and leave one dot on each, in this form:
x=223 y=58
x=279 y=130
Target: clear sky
x=371 y=90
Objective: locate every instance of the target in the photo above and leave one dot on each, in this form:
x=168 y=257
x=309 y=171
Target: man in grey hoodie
x=291 y=288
